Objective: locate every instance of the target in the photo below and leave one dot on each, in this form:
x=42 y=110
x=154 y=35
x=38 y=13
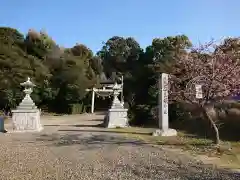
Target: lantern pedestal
x=26 y=120
x=117 y=114
x=27 y=116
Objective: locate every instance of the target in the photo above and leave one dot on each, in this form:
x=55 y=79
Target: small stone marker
x=199 y=93
x=163 y=119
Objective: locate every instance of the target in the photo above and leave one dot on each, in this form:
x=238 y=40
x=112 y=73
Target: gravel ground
x=70 y=147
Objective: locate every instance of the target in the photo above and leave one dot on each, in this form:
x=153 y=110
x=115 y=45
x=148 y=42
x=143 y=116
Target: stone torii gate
x=105 y=91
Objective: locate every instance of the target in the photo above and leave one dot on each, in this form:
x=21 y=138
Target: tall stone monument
x=26 y=117
x=163 y=119
x=117 y=114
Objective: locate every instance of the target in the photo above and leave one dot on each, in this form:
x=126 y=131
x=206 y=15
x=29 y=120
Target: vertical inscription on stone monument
x=165 y=94
x=163 y=101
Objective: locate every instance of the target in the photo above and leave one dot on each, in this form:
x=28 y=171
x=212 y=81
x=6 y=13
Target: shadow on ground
x=76 y=125
x=91 y=139
x=82 y=123
x=102 y=131
x=194 y=170
x=100 y=120
x=87 y=142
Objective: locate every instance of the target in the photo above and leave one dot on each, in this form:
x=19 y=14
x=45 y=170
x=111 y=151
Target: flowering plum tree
x=205 y=78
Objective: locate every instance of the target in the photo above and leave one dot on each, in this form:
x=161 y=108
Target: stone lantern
x=26 y=117
x=117 y=114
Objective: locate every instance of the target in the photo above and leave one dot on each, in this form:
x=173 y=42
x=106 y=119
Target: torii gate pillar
x=93 y=99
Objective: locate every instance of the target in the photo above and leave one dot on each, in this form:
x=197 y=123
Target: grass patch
x=202 y=148
x=146 y=135
x=133 y=130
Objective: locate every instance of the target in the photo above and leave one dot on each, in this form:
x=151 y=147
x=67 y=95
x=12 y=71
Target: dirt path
x=74 y=147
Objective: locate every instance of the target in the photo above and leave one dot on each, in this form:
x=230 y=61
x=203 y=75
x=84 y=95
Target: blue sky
x=91 y=22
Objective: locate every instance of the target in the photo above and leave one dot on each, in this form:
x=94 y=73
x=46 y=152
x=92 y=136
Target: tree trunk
x=210 y=114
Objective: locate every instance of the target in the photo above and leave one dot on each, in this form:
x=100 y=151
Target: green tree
x=157 y=58
x=16 y=66
x=120 y=55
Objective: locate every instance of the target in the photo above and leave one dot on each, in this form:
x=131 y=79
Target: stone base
x=168 y=132
x=116 y=118
x=26 y=120
x=24 y=131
